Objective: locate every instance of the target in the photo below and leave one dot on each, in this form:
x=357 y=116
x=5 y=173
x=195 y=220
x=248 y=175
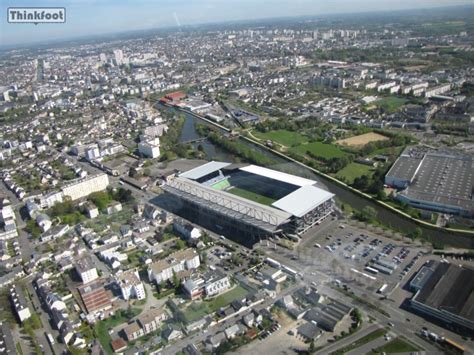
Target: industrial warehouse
x=248 y=203
x=436 y=181
x=445 y=291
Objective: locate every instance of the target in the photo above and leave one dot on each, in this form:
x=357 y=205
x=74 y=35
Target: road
x=349 y=340
x=323 y=280
x=58 y=348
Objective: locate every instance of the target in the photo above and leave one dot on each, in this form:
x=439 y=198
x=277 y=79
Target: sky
x=95 y=17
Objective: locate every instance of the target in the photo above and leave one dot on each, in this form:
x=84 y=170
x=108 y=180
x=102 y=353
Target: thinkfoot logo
x=36 y=15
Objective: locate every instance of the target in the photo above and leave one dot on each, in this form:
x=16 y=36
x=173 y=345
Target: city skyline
x=86 y=18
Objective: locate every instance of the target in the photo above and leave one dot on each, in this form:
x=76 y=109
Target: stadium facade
x=248 y=203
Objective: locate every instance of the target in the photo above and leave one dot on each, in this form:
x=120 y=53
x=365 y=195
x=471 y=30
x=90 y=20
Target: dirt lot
x=362 y=139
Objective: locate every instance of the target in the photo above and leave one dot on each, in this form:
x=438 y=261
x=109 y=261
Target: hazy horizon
x=102 y=17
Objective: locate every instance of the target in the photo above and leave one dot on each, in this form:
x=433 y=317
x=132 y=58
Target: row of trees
x=240 y=150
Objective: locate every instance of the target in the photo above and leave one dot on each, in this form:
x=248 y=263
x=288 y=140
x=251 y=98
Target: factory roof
x=450 y=289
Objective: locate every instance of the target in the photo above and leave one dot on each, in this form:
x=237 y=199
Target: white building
x=51 y=199
x=210 y=284
x=93 y=153
x=19 y=303
x=187 y=230
x=86 y=270
x=85 y=186
x=130 y=285
x=150 y=148
x=43 y=221
x=118 y=56
x=162 y=270
x=115 y=207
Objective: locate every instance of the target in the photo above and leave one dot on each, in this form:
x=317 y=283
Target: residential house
x=162 y=270
x=130 y=285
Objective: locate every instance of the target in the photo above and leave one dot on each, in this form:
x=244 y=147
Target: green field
x=282 y=136
x=298 y=143
x=391 y=104
x=398 y=345
x=199 y=310
x=252 y=196
x=319 y=149
x=354 y=170
x=221 y=185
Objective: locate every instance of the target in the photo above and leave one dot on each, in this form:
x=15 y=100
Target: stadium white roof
x=204 y=170
x=303 y=200
x=221 y=201
x=277 y=175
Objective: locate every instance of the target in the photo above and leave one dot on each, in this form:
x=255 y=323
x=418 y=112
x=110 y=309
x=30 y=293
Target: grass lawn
x=354 y=170
x=101 y=328
x=391 y=151
x=237 y=292
x=398 y=345
x=199 y=310
x=362 y=341
x=221 y=185
x=252 y=196
x=391 y=104
x=282 y=136
x=319 y=149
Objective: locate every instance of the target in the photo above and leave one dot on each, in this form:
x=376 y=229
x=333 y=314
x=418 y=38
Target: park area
x=353 y=171
x=282 y=136
x=297 y=143
x=200 y=309
x=390 y=104
x=362 y=139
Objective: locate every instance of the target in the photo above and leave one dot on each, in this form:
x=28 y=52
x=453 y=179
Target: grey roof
x=308 y=330
x=444 y=179
x=204 y=170
x=449 y=289
x=404 y=167
x=303 y=200
x=422 y=277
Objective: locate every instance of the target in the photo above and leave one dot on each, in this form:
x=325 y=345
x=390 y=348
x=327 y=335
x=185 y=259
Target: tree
x=180 y=244
x=175 y=280
x=367 y=214
x=312 y=348
x=129 y=312
x=361 y=183
x=415 y=234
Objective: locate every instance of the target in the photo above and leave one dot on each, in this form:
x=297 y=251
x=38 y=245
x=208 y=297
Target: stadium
x=248 y=203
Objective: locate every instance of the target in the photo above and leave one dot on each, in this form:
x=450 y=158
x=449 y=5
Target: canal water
x=346 y=196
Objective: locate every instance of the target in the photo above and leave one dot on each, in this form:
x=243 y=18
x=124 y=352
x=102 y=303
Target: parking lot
x=380 y=260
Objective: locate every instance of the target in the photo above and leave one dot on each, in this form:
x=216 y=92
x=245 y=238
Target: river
x=390 y=218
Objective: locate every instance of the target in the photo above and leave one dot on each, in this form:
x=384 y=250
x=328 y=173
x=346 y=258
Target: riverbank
x=389 y=215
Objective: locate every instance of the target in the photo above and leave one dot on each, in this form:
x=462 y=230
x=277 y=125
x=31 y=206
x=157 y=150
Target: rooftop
x=303 y=200
x=450 y=289
x=444 y=179
x=173 y=259
x=278 y=175
x=404 y=167
x=204 y=170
